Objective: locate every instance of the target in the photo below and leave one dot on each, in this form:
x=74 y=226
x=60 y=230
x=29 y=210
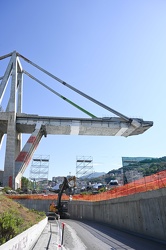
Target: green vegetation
x=147 y=166
x=103 y=189
x=26 y=184
x=10 y=226
x=39 y=213
x=15 y=218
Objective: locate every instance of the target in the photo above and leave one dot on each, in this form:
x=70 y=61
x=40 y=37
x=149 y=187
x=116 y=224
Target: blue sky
x=113 y=51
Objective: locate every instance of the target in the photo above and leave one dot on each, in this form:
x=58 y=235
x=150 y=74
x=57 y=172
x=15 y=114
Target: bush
x=103 y=189
x=9 y=226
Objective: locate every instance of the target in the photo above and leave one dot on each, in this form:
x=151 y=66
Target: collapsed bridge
x=14 y=123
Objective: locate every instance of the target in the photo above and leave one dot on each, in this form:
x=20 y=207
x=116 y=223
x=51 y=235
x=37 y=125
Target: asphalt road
x=91 y=235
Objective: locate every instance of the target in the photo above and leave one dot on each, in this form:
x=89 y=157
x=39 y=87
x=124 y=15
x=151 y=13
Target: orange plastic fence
x=148 y=183
x=145 y=184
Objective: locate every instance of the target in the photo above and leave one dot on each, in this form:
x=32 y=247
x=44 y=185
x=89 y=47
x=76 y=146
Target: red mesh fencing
x=148 y=183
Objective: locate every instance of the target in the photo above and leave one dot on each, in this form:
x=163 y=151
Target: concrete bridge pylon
x=14 y=139
x=16 y=159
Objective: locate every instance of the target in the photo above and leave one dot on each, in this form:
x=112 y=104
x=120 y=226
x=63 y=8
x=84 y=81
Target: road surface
x=88 y=235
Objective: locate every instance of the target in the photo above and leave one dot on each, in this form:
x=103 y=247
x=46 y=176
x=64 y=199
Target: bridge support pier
x=13 y=141
x=11 y=145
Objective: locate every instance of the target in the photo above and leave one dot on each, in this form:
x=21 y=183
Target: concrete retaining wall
x=27 y=239
x=143 y=213
x=40 y=205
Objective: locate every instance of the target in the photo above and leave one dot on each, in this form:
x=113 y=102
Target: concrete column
x=20 y=94
x=19 y=111
x=9 y=168
x=11 y=142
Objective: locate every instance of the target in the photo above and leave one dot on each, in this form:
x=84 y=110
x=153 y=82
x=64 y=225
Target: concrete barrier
x=27 y=239
x=143 y=213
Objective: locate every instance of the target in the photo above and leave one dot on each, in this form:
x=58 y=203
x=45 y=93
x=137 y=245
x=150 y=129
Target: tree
x=25 y=183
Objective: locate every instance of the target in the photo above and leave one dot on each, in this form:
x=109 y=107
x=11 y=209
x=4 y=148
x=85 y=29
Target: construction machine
x=61 y=208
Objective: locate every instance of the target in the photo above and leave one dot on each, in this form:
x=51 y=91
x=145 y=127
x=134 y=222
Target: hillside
x=14 y=218
x=93 y=175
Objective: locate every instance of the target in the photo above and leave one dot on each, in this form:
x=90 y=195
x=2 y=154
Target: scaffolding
x=39 y=170
x=84 y=166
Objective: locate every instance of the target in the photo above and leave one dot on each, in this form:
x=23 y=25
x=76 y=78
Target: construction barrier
x=148 y=183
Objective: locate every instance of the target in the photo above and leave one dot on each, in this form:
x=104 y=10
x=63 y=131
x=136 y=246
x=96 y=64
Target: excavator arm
x=63 y=187
x=67 y=185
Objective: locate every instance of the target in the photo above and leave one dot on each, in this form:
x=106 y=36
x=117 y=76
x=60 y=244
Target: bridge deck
x=76 y=126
